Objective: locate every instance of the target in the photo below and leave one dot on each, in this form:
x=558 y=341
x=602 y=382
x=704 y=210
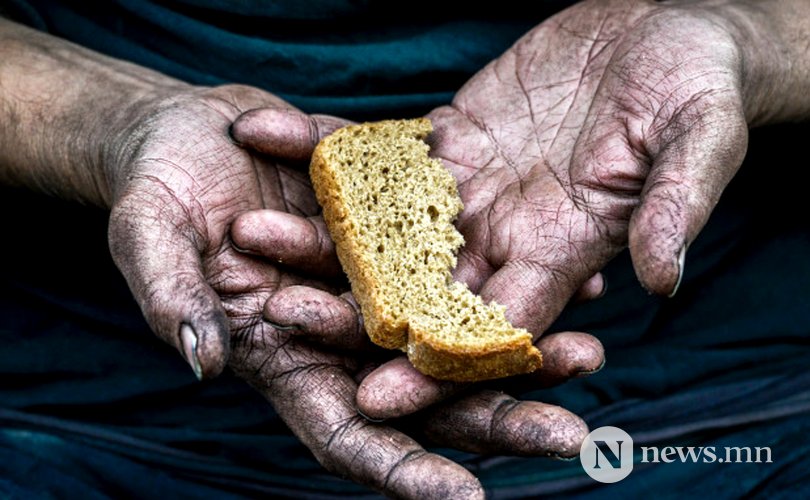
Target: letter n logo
x=607 y=454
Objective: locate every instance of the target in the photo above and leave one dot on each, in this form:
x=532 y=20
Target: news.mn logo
x=607 y=454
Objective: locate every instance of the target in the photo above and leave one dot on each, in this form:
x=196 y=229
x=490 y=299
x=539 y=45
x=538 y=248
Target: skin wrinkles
x=188 y=199
x=341 y=440
x=529 y=217
x=599 y=50
x=612 y=125
x=536 y=214
x=615 y=124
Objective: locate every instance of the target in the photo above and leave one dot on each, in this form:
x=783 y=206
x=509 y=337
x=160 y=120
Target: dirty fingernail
x=242 y=250
x=370 y=419
x=557 y=456
x=585 y=373
x=189 y=339
x=681 y=260
x=231 y=136
x=282 y=327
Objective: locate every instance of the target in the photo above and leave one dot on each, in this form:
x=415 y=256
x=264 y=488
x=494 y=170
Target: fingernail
x=604 y=287
x=189 y=339
x=681 y=259
x=241 y=250
x=281 y=327
x=370 y=419
x=585 y=373
x=230 y=135
x=557 y=456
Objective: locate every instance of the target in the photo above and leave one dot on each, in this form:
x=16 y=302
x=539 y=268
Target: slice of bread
x=389 y=207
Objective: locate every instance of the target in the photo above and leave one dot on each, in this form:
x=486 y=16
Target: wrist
x=774 y=68
x=71 y=108
x=130 y=125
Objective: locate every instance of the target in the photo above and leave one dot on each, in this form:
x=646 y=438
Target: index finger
x=396 y=388
x=302 y=243
x=284 y=133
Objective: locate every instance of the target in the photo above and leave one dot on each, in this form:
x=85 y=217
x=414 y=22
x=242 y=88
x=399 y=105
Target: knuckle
x=318 y=237
x=343 y=447
x=499 y=423
x=314 y=130
x=257 y=350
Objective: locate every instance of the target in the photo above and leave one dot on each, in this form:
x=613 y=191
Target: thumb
x=533 y=292
x=687 y=177
x=284 y=133
x=161 y=262
x=472 y=269
x=540 y=271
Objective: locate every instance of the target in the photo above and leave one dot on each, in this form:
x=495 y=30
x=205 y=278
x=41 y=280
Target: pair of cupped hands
x=612 y=124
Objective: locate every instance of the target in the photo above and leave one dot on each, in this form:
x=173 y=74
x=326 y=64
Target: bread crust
x=435 y=359
x=383 y=331
x=430 y=356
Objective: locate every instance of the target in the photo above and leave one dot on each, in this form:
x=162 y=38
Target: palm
x=177 y=198
x=185 y=192
x=551 y=145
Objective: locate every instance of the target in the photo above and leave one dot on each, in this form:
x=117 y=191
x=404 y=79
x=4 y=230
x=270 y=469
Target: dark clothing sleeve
x=355 y=59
